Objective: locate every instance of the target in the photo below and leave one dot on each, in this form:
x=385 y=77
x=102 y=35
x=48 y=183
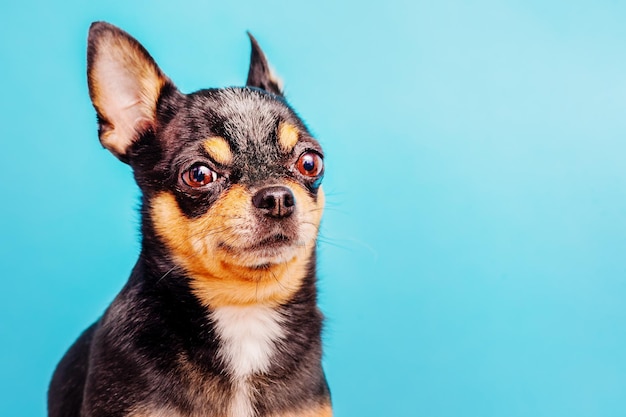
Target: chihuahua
x=219 y=316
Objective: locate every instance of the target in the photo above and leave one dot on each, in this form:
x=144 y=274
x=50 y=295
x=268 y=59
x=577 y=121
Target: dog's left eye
x=198 y=176
x=310 y=164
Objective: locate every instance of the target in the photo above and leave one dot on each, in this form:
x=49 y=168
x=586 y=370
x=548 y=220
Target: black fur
x=156 y=343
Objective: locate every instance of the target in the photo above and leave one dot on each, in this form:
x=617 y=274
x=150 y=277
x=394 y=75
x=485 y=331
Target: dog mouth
x=275 y=241
x=275 y=248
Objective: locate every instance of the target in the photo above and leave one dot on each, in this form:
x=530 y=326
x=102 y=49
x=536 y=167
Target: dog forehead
x=246 y=128
x=249 y=117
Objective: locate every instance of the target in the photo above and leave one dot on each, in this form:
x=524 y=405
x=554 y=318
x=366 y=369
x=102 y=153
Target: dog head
x=230 y=178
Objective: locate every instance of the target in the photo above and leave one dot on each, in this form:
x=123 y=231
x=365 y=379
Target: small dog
x=219 y=316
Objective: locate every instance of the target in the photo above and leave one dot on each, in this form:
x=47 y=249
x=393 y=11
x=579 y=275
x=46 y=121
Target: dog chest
x=248 y=339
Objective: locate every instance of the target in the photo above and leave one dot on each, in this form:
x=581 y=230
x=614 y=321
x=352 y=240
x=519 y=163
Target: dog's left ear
x=260 y=74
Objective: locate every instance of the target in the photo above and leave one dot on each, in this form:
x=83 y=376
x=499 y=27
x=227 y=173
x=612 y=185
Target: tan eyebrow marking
x=219 y=150
x=287 y=136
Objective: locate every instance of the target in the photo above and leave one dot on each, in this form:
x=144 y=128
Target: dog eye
x=198 y=176
x=310 y=164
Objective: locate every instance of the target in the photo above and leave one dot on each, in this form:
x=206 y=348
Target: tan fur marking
x=287 y=136
x=219 y=150
x=324 y=410
x=221 y=276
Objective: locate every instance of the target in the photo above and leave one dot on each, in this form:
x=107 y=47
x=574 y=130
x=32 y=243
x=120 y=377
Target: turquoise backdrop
x=473 y=252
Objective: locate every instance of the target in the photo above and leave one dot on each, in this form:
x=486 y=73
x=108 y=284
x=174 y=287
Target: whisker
x=276 y=279
x=166 y=274
x=349 y=244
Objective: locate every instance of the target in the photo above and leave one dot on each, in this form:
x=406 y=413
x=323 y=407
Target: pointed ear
x=124 y=84
x=260 y=74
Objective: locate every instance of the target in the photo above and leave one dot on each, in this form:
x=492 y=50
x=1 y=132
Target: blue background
x=473 y=252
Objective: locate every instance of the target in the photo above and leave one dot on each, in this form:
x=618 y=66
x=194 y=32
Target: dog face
x=230 y=177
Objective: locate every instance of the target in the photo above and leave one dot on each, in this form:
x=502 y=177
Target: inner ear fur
x=124 y=85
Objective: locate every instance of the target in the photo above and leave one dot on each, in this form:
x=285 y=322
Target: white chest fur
x=248 y=340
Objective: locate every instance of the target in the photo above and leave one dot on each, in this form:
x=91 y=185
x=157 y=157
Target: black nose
x=275 y=201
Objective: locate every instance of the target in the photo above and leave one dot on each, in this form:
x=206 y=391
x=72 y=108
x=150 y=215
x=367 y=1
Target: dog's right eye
x=198 y=176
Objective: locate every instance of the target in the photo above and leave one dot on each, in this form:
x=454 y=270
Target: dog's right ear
x=124 y=85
